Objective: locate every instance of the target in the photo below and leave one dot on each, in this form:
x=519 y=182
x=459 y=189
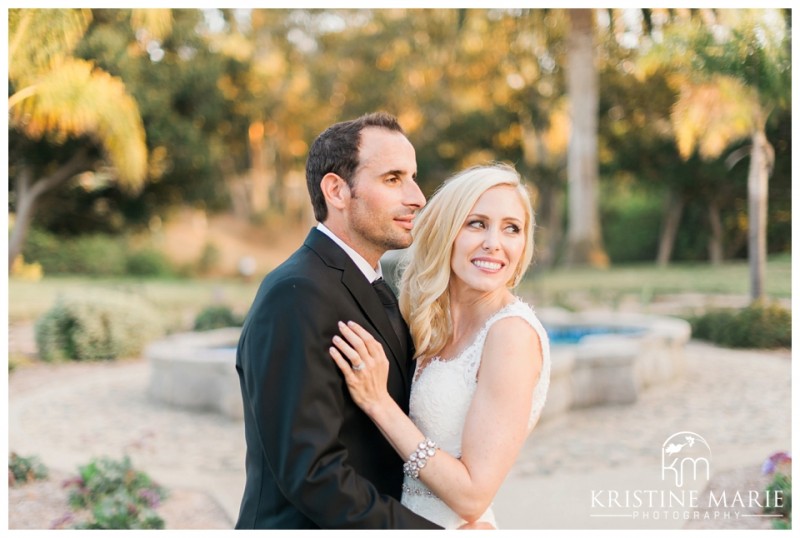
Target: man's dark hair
x=336 y=150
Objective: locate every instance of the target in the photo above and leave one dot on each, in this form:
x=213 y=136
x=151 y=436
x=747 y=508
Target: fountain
x=196 y=370
x=606 y=358
x=598 y=358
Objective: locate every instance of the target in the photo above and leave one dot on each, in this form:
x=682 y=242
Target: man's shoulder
x=303 y=271
x=302 y=268
x=314 y=253
x=317 y=257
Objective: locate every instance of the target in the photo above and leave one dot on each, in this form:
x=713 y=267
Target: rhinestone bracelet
x=419 y=458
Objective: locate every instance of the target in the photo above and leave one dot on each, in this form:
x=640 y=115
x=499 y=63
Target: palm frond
x=76 y=99
x=710 y=116
x=40 y=38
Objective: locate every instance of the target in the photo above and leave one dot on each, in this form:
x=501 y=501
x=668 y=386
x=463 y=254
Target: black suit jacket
x=314 y=459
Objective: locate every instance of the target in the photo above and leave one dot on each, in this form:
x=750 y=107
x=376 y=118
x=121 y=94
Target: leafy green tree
x=730 y=76
x=189 y=95
x=70 y=104
x=639 y=158
x=193 y=96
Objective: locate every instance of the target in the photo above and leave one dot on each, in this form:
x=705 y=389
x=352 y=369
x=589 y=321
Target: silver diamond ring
x=359 y=367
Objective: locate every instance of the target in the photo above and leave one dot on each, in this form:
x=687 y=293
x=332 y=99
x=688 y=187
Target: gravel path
x=739 y=401
x=67 y=414
x=732 y=398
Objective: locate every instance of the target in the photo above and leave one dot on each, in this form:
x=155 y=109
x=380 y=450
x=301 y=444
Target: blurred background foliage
x=228 y=100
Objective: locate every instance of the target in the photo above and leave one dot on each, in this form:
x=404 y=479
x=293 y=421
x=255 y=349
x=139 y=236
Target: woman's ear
x=336 y=190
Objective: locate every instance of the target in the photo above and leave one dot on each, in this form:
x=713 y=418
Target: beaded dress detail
x=440 y=398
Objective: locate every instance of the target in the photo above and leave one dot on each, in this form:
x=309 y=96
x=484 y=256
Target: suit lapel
x=363 y=293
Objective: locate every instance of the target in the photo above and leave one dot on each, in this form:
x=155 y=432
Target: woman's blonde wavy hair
x=424 y=295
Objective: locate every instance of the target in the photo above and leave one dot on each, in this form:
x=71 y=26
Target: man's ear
x=335 y=190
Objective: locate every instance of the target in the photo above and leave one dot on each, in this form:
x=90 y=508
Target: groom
x=314 y=460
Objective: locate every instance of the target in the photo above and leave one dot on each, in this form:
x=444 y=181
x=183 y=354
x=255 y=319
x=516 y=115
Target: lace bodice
x=440 y=398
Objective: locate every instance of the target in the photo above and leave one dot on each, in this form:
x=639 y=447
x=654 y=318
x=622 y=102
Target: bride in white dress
x=483 y=357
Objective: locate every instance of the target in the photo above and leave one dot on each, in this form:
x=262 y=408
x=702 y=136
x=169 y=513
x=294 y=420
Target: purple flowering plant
x=116 y=495
x=778 y=459
x=779 y=467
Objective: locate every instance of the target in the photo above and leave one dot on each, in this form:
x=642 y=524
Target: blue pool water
x=572 y=334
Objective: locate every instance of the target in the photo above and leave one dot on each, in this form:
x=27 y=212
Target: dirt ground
x=44 y=504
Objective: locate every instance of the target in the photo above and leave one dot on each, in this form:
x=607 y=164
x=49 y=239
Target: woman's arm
x=496 y=423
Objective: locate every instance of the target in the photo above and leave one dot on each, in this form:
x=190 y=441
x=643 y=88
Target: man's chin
x=398 y=244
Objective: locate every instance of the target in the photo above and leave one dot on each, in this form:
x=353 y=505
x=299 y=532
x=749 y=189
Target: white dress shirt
x=371 y=273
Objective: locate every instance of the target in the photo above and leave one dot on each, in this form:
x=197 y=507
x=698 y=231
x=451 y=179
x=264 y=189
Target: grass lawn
x=182 y=299
x=647 y=281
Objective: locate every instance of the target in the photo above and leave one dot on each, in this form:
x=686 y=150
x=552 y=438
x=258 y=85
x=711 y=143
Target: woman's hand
x=364 y=364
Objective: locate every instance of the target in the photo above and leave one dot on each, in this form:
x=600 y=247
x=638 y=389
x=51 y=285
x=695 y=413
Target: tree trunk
x=548 y=226
x=757 y=185
x=715 y=240
x=583 y=234
x=22 y=216
x=669 y=231
x=27 y=195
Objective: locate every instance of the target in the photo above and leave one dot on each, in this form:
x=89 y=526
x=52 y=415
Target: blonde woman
x=482 y=356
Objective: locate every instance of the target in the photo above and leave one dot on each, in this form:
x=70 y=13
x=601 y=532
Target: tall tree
x=193 y=93
x=584 y=239
x=731 y=71
x=61 y=98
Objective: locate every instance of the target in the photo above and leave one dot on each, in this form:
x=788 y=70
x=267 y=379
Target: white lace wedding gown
x=440 y=397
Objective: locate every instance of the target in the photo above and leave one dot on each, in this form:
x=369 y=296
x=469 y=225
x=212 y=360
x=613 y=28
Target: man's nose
x=414 y=196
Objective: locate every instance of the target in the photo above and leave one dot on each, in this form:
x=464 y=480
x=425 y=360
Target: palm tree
x=730 y=75
x=59 y=98
x=584 y=240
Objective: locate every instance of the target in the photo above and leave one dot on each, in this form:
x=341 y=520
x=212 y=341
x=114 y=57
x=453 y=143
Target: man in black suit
x=314 y=460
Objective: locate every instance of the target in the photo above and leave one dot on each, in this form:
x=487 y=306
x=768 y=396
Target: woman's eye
x=475 y=223
x=513 y=228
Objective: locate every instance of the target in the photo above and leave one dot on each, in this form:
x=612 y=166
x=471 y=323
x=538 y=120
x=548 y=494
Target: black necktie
x=389 y=301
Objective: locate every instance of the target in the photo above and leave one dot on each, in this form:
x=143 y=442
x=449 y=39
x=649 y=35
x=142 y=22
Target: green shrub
x=148 y=262
x=96 y=255
x=98 y=326
x=756 y=326
x=216 y=317
x=25 y=469
x=781 y=483
x=631 y=224
x=768 y=325
x=99 y=255
x=44 y=248
x=118 y=496
x=715 y=326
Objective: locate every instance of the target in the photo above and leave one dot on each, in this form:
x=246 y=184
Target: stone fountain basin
x=638 y=352
x=631 y=352
x=197 y=370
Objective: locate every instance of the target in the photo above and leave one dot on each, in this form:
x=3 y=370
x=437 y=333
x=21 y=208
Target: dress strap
x=522 y=310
